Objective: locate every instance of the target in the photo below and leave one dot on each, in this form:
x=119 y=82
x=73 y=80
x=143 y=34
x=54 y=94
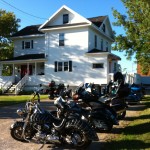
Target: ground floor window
x=62 y=66
x=98 y=65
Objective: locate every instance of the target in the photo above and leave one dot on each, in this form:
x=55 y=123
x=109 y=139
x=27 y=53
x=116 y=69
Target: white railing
x=6 y=83
x=21 y=83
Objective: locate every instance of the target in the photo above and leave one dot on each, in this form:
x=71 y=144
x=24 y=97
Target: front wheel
x=102 y=126
x=17 y=129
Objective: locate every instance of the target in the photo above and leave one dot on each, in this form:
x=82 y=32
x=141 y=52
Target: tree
x=8 y=26
x=137 y=31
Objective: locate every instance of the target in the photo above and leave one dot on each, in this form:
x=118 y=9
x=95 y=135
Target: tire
x=17 y=129
x=121 y=115
x=78 y=132
x=103 y=126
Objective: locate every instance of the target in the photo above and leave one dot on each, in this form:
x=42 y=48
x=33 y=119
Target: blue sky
x=43 y=9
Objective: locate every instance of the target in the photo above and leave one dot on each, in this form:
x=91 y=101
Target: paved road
x=7 y=117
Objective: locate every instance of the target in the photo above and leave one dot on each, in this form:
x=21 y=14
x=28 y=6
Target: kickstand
x=42 y=145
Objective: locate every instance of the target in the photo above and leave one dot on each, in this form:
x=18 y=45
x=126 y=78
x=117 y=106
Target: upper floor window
x=101 y=44
x=63 y=66
x=27 y=44
x=103 y=28
x=65 y=18
x=61 y=39
x=95 y=41
x=98 y=65
x=106 y=46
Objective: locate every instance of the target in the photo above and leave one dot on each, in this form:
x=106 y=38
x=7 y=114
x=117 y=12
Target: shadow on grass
x=137 y=129
x=125 y=145
x=137 y=117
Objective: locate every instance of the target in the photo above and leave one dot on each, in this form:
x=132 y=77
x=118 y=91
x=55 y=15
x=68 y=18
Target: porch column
x=1 y=68
x=35 y=68
x=28 y=68
x=13 y=73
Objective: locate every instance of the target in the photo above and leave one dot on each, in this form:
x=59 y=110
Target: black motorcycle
x=54 y=89
x=46 y=128
x=102 y=116
x=115 y=97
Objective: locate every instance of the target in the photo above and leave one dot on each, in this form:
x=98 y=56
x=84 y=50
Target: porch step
x=11 y=90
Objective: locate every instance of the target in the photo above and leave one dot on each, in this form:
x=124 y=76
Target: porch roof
x=95 y=52
x=26 y=58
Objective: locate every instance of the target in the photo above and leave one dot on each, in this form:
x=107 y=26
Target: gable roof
x=66 y=8
x=29 y=30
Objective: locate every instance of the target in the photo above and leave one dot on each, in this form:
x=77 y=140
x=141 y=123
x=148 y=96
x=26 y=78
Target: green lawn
x=136 y=136
x=10 y=100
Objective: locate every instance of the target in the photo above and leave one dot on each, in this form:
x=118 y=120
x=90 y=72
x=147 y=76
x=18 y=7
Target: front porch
x=20 y=71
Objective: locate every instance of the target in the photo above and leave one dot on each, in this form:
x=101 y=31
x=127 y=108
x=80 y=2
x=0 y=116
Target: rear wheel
x=77 y=134
x=17 y=129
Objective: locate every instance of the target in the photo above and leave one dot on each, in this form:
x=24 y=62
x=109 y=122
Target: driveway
x=8 y=115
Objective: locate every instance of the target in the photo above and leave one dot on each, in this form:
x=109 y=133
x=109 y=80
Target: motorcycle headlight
x=20 y=112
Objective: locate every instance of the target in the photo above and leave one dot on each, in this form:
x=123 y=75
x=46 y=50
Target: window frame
x=65 y=18
x=95 y=41
x=27 y=44
x=61 y=39
x=102 y=44
x=63 y=66
x=98 y=65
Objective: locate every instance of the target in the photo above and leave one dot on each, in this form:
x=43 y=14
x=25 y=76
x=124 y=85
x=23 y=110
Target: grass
x=136 y=136
x=11 y=100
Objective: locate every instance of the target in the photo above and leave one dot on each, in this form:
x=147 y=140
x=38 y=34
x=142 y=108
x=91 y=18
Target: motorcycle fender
x=14 y=124
x=98 y=115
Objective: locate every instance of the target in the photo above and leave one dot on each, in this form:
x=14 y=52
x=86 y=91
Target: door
x=24 y=70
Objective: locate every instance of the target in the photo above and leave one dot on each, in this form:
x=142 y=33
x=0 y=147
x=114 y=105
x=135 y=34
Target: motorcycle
x=46 y=128
x=55 y=90
x=116 y=98
x=136 y=94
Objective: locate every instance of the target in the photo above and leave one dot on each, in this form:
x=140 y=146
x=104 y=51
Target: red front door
x=24 y=70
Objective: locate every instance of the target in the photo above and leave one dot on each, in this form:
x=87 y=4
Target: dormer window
x=65 y=18
x=103 y=28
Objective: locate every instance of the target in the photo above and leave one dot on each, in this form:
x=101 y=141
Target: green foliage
x=137 y=31
x=8 y=26
x=7 y=70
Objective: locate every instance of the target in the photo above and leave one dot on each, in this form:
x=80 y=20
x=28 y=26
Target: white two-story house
x=67 y=48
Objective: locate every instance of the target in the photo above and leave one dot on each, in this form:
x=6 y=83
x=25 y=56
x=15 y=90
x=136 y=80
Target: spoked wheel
x=17 y=129
x=103 y=126
x=77 y=137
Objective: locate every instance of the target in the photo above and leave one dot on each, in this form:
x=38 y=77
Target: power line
x=22 y=11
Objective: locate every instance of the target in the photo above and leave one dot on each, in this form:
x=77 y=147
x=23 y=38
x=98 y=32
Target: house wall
x=76 y=46
x=38 y=46
x=91 y=44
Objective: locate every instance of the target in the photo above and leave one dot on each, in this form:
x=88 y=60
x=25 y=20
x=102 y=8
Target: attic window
x=103 y=28
x=65 y=18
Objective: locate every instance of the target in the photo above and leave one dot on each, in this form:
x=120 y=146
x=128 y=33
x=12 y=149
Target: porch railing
x=21 y=83
x=7 y=83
